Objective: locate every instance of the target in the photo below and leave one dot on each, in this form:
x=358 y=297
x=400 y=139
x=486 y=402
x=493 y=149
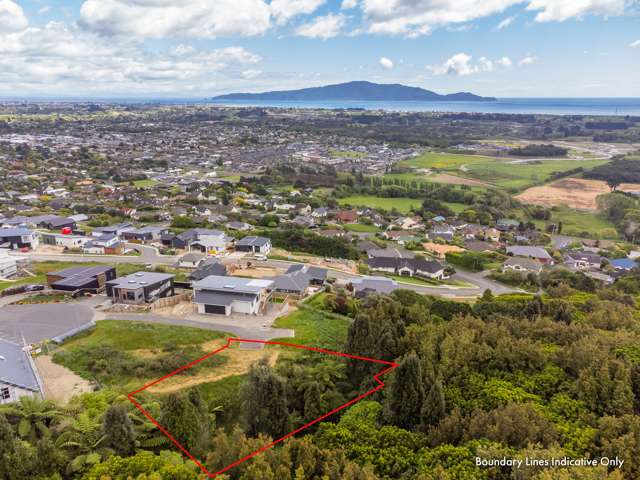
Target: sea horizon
x=602 y=106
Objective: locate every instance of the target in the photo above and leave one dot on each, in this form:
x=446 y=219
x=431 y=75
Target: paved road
x=258 y=333
x=36 y=323
x=150 y=255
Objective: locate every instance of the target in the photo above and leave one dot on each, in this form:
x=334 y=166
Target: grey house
x=141 y=287
x=18 y=376
x=227 y=295
x=253 y=244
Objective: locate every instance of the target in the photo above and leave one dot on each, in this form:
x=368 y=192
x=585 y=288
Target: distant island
x=357 y=91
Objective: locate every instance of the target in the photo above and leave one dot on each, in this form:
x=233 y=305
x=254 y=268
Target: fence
x=74 y=331
x=170 y=301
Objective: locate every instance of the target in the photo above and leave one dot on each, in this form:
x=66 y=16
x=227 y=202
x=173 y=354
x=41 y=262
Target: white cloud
x=561 y=10
x=635 y=44
x=349 y=4
x=506 y=22
x=284 y=10
x=419 y=17
x=166 y=18
x=251 y=73
x=385 y=63
x=12 y=17
x=528 y=60
x=59 y=59
x=324 y=27
x=43 y=9
x=462 y=64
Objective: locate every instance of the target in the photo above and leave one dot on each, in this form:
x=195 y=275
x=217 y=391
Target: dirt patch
x=238 y=363
x=180 y=310
x=455 y=180
x=60 y=383
x=576 y=193
x=257 y=272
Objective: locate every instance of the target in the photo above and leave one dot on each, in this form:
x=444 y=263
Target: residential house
x=8 y=264
x=346 y=216
x=140 y=287
x=18 y=374
x=409 y=267
x=207 y=268
x=144 y=234
x=227 y=295
x=68 y=241
x=15 y=238
x=520 y=264
x=239 y=226
x=401 y=237
x=254 y=245
x=118 y=229
x=108 y=244
x=89 y=279
x=538 y=253
x=408 y=223
x=623 y=264
x=57 y=223
x=368 y=285
x=442 y=232
x=507 y=224
x=578 y=260
x=190 y=260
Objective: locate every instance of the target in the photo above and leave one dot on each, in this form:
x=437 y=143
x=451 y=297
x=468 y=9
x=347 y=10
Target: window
x=5 y=394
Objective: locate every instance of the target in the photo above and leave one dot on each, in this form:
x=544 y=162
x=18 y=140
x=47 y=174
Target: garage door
x=219 y=309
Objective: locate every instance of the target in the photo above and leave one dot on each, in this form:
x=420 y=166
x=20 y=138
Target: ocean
x=550 y=106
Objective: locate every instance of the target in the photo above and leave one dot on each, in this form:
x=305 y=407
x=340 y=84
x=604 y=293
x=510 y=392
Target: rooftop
x=15 y=368
x=233 y=284
x=140 y=279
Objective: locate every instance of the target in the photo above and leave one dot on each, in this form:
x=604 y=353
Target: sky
x=200 y=48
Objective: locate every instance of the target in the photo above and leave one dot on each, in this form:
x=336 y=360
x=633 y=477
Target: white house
x=8 y=264
x=227 y=295
x=18 y=374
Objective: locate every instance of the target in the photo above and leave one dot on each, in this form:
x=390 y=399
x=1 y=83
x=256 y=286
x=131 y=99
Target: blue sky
x=197 y=48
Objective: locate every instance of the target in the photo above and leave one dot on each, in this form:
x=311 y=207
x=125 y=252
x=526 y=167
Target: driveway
x=35 y=323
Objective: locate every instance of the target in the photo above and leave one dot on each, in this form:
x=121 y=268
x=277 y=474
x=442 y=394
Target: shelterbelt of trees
x=538 y=376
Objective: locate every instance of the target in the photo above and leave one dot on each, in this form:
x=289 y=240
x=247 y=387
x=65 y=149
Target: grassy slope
x=443 y=161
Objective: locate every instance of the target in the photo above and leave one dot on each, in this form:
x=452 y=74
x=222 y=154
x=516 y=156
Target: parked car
x=33 y=288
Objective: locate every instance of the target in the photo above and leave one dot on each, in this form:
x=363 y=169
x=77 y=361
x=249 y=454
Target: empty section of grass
x=361 y=228
x=443 y=161
x=402 y=205
x=314 y=329
x=575 y=223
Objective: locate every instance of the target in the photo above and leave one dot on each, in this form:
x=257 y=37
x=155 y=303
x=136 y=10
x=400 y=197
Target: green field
x=361 y=228
x=402 y=205
x=147 y=183
x=444 y=161
x=576 y=223
x=518 y=176
x=315 y=329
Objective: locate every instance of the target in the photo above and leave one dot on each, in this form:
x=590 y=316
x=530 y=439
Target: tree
x=182 y=415
x=313 y=404
x=265 y=402
x=118 y=431
x=434 y=408
x=406 y=394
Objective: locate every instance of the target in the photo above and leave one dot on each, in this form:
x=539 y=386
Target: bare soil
x=576 y=193
x=60 y=383
x=238 y=363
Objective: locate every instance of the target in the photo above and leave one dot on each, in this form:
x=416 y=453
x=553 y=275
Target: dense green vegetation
x=619 y=170
x=539 y=150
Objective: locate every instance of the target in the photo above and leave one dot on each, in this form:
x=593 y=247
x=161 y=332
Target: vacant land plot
x=60 y=383
x=576 y=193
x=361 y=228
x=402 y=205
x=519 y=176
x=444 y=161
x=581 y=224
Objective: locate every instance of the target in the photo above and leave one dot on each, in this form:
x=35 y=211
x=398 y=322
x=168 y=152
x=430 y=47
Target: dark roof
x=253 y=241
x=207 y=270
x=79 y=276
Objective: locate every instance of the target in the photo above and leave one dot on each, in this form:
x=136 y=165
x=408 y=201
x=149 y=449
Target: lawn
x=444 y=161
x=402 y=205
x=146 y=183
x=519 y=176
x=592 y=225
x=125 y=354
x=361 y=228
x=314 y=329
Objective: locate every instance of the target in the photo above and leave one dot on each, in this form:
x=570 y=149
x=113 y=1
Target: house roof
x=526 y=251
x=15 y=367
x=14 y=232
x=253 y=241
x=233 y=284
x=624 y=263
x=526 y=263
x=220 y=298
x=140 y=279
x=79 y=276
x=376 y=284
x=207 y=270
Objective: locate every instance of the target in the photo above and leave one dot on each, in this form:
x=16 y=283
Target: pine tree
x=118 y=431
x=185 y=421
x=312 y=402
x=406 y=394
x=434 y=407
x=265 y=402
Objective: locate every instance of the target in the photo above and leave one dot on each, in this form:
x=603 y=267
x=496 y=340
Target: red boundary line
x=390 y=366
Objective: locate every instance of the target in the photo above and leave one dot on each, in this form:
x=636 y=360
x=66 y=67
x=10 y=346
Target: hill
x=357 y=91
